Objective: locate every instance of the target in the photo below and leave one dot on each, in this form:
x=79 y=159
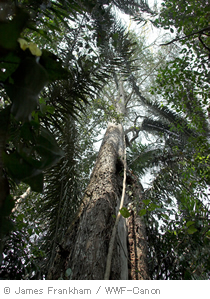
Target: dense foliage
x=181 y=185
x=60 y=71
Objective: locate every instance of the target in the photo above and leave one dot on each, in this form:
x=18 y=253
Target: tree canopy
x=62 y=70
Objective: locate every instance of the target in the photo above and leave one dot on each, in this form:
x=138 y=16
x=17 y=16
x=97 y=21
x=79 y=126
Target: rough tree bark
x=85 y=246
x=137 y=238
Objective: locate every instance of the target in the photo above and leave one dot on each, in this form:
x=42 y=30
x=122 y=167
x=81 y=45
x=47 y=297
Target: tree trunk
x=85 y=246
x=137 y=239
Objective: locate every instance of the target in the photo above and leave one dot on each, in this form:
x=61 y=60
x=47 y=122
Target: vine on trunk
x=112 y=239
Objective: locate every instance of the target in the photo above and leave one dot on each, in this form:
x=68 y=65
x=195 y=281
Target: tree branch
x=180 y=38
x=21 y=198
x=207 y=48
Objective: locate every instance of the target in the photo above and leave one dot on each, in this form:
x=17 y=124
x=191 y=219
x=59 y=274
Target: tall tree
x=178 y=145
x=26 y=86
x=88 y=240
x=95 y=245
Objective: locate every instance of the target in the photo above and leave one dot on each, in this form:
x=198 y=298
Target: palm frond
x=134 y=8
x=62 y=194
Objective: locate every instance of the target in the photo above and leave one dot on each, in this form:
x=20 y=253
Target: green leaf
x=53 y=66
x=18 y=167
x=23 y=169
x=8 y=65
x=68 y=272
x=35 y=182
x=142 y=212
x=152 y=207
x=190 y=223
x=115 y=36
x=146 y=201
x=208 y=234
x=48 y=148
x=37 y=151
x=29 y=80
x=10 y=31
x=191 y=230
x=165 y=216
x=30 y=231
x=124 y=212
